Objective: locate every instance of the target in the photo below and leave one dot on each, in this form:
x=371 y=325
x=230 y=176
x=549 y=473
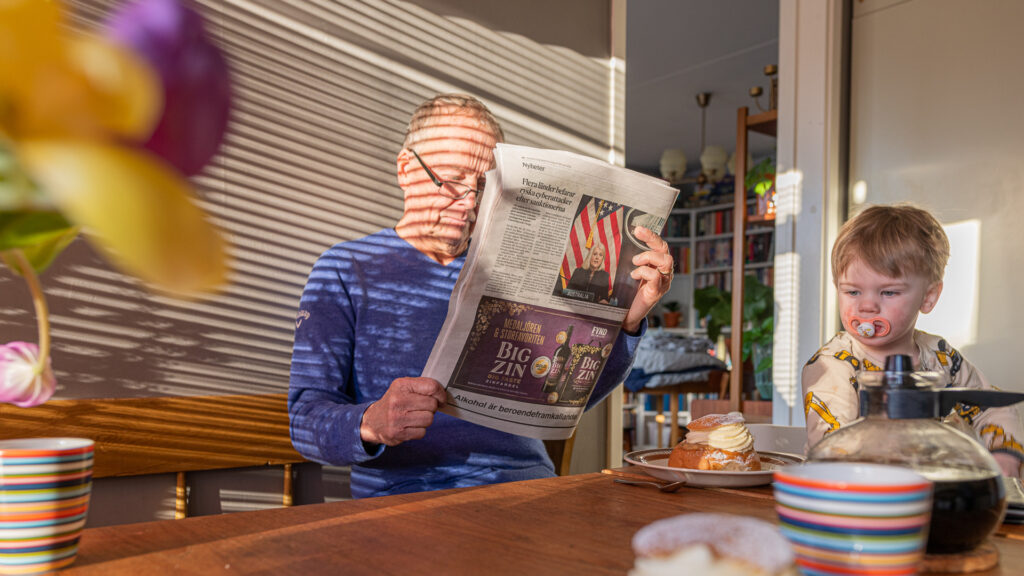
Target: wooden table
x=578 y=524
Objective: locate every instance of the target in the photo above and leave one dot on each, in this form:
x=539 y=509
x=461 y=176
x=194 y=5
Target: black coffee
x=964 y=512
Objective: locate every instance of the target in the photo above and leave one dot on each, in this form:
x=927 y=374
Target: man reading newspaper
x=372 y=308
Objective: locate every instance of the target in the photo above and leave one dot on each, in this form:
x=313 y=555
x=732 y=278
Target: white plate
x=655 y=463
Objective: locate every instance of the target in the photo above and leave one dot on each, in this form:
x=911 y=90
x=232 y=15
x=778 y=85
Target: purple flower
x=24 y=380
x=194 y=73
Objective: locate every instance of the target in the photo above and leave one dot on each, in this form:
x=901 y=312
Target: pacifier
x=870 y=327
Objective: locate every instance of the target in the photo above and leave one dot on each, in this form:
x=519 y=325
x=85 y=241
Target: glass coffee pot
x=900 y=425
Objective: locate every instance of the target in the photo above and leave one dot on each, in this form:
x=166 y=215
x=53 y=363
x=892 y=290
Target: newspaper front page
x=544 y=289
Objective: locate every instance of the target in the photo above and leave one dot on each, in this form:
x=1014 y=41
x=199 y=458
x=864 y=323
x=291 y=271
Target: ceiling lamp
x=712 y=158
x=770 y=71
x=673 y=165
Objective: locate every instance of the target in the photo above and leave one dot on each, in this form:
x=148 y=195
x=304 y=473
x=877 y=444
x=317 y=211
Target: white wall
x=936 y=120
x=809 y=168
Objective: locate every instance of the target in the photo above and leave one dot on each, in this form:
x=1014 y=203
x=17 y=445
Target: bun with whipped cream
x=712 y=545
x=717 y=442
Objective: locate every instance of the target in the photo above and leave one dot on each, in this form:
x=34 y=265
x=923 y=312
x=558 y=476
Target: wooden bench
x=180 y=435
x=140 y=436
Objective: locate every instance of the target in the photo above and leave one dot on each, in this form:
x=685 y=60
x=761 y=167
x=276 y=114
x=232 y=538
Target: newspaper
x=530 y=326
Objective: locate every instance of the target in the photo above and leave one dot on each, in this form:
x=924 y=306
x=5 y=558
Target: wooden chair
x=717 y=382
x=753 y=410
x=560 y=452
x=759 y=411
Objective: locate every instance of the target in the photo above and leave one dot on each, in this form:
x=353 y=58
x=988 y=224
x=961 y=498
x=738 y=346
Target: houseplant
x=99 y=132
x=761 y=179
x=672 y=314
x=715 y=306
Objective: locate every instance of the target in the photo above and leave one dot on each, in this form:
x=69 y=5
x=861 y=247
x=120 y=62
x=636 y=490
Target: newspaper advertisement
x=544 y=289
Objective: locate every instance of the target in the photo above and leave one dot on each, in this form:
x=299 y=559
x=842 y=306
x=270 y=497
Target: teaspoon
x=670 y=487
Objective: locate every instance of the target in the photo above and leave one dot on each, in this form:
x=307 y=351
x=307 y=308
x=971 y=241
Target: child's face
x=890 y=305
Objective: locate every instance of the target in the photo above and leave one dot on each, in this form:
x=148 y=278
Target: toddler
x=887 y=264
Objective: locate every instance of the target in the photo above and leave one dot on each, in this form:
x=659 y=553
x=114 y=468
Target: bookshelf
x=763 y=123
x=701 y=242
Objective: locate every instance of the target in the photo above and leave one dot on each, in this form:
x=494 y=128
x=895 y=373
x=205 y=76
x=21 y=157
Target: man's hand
x=654 y=271
x=403 y=413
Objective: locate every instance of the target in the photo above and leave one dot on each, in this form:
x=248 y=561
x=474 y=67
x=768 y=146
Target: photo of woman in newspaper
x=591 y=281
x=601 y=238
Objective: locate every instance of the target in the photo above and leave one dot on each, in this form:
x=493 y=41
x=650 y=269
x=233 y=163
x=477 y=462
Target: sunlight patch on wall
x=787 y=197
x=616 y=78
x=786 y=366
x=859 y=193
x=955 y=317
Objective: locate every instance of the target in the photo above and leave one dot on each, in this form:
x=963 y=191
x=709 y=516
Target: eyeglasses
x=447 y=188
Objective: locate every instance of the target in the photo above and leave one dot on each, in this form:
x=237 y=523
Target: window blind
x=322 y=93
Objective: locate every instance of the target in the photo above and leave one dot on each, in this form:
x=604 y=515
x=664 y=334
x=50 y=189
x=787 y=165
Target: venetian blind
x=322 y=93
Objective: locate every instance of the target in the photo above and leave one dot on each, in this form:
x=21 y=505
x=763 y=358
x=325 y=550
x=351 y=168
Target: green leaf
x=17 y=190
x=715 y=305
x=761 y=177
x=764 y=364
x=41 y=236
x=705 y=298
x=760 y=172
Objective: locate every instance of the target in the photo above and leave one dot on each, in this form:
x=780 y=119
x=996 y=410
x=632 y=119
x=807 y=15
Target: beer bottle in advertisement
x=558 y=364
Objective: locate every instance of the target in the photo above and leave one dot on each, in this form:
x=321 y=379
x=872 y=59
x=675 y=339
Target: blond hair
x=429 y=113
x=896 y=240
x=590 y=255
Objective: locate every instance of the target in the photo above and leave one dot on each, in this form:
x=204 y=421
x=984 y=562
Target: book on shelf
x=758 y=249
x=714 y=253
x=681 y=255
x=723 y=279
x=677 y=226
x=715 y=222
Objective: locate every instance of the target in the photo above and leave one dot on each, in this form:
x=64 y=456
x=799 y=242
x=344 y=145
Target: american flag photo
x=597 y=221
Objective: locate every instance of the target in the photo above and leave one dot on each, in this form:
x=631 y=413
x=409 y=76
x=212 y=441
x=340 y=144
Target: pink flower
x=194 y=73
x=24 y=380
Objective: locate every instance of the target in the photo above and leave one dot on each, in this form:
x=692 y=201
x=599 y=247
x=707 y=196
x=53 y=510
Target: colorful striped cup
x=854 y=519
x=44 y=497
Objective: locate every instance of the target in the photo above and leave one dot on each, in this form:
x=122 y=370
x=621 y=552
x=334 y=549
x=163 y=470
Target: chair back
x=774 y=438
x=560 y=452
x=753 y=410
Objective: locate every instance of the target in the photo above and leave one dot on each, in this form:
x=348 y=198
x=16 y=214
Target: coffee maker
x=900 y=424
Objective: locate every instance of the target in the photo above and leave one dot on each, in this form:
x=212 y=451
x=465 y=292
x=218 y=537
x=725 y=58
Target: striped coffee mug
x=853 y=519
x=44 y=496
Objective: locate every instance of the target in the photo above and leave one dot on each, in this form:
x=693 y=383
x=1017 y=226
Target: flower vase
x=672 y=319
x=763 y=379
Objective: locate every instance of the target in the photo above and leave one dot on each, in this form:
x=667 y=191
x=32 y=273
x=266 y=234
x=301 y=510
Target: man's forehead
x=454 y=130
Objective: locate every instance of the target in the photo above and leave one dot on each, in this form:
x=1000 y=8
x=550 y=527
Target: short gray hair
x=447 y=105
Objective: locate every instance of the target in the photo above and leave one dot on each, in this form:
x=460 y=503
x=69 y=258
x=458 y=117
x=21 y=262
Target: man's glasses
x=447 y=188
